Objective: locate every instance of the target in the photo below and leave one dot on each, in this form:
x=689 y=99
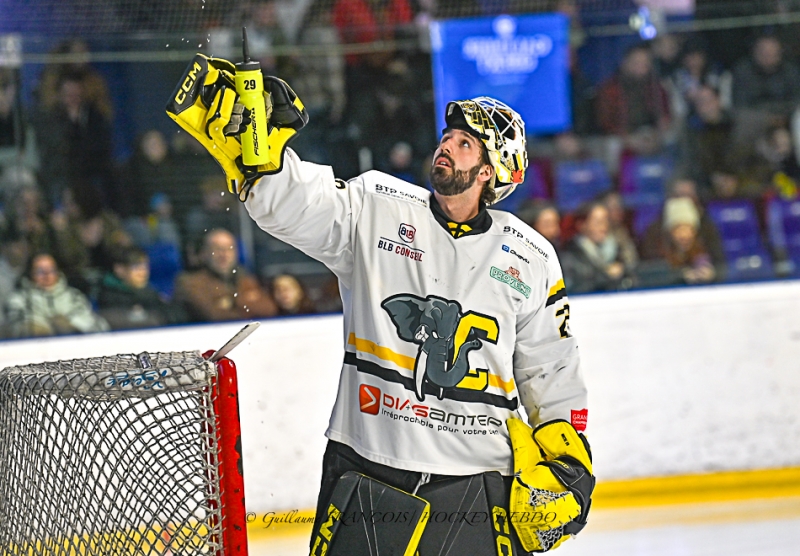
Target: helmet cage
x=503 y=133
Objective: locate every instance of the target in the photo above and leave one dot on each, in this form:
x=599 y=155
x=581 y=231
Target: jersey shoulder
x=384 y=186
x=518 y=231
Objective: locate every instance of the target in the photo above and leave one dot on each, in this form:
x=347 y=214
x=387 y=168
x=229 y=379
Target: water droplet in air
x=234 y=271
x=221 y=193
x=227 y=209
x=236 y=294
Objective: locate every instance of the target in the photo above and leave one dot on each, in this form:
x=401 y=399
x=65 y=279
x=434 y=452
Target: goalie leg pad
x=468 y=516
x=368 y=518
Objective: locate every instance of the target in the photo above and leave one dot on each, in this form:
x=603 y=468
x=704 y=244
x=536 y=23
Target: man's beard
x=454 y=183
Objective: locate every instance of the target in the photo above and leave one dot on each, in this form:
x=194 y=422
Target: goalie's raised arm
x=205 y=104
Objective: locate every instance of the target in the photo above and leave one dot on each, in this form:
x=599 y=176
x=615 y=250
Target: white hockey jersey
x=449 y=329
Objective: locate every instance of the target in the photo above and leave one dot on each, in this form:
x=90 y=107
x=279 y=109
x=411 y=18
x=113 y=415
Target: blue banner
x=522 y=61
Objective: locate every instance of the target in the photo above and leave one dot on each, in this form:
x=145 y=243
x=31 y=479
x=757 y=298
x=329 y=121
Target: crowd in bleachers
x=688 y=176
x=677 y=170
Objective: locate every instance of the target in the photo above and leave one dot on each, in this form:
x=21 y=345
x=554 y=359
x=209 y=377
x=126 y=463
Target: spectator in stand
x=667 y=54
x=9 y=132
x=592 y=260
x=583 y=97
x=320 y=82
x=160 y=223
x=290 y=296
x=543 y=217
x=17 y=140
x=366 y=21
x=695 y=73
x=157 y=226
x=150 y=170
x=769 y=165
x=568 y=146
x=222 y=290
x=45 y=305
x=766 y=81
x=86 y=236
x=634 y=97
x=14 y=254
x=218 y=210
x=93 y=85
x=27 y=213
x=392 y=109
x=264 y=34
x=683 y=248
x=774 y=166
x=656 y=239
x=126 y=299
x=329 y=299
x=384 y=104
x=193 y=166
x=618 y=221
x=75 y=142
x=13 y=179
x=707 y=146
x=401 y=162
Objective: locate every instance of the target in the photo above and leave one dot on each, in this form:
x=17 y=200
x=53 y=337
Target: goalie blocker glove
x=553 y=483
x=204 y=104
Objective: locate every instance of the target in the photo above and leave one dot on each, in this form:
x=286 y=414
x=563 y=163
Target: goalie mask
x=502 y=132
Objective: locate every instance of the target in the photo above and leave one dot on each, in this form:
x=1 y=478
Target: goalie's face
x=458 y=163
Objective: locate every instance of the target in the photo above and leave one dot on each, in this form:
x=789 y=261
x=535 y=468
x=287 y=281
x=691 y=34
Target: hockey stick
x=237 y=339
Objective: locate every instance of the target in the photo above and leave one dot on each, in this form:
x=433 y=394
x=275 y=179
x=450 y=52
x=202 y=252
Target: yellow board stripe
x=707 y=487
x=188 y=538
x=406 y=362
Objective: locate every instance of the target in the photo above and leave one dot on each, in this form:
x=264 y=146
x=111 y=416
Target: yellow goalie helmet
x=503 y=133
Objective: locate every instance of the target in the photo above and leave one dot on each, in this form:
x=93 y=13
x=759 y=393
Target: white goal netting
x=111 y=456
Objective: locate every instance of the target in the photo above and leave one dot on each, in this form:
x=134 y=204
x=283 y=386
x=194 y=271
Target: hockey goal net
x=121 y=455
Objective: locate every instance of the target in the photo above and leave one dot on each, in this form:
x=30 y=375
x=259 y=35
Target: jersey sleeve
x=306 y=207
x=546 y=362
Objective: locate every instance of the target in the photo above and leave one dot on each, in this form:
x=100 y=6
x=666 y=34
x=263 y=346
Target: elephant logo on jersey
x=444 y=335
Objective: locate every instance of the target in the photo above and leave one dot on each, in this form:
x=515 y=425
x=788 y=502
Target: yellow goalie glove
x=205 y=105
x=553 y=483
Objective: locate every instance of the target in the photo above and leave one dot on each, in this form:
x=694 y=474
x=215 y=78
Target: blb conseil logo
x=407 y=232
